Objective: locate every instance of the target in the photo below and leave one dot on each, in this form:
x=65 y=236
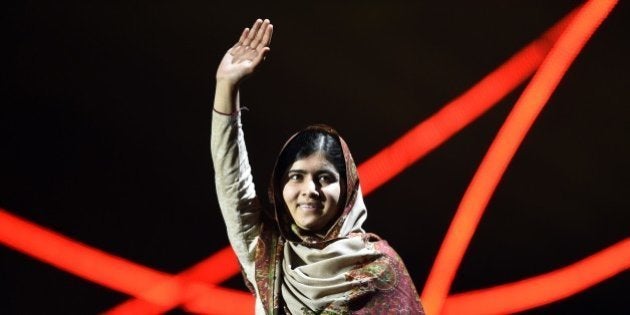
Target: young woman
x=309 y=253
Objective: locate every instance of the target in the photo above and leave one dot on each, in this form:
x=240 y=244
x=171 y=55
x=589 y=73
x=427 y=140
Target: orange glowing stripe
x=458 y=113
x=540 y=290
x=193 y=296
x=200 y=300
x=213 y=270
x=504 y=147
x=108 y=270
x=74 y=257
x=223 y=301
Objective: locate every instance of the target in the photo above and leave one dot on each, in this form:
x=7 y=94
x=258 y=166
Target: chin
x=310 y=226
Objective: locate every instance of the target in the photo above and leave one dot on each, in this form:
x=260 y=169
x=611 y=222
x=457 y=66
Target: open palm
x=242 y=59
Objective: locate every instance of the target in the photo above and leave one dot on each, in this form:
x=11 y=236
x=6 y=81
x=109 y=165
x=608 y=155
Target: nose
x=309 y=188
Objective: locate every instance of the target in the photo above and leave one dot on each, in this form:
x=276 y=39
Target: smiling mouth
x=309 y=206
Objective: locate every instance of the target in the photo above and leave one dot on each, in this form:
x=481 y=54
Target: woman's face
x=311 y=192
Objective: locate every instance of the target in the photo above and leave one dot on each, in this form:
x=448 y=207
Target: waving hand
x=242 y=59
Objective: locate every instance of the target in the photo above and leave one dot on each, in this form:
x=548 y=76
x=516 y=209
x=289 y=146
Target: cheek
x=288 y=193
x=333 y=192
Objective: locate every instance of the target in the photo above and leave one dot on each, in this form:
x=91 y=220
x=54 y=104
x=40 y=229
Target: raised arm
x=240 y=61
x=236 y=193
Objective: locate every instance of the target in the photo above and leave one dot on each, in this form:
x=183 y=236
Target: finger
x=259 y=34
x=266 y=40
x=243 y=36
x=236 y=49
x=252 y=32
x=269 y=34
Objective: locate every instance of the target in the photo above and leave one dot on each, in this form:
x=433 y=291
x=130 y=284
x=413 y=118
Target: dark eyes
x=326 y=179
x=295 y=177
x=323 y=179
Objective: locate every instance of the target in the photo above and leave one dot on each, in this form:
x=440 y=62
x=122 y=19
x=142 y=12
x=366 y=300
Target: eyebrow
x=327 y=170
x=299 y=171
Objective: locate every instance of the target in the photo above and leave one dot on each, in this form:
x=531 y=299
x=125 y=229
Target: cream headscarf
x=344 y=270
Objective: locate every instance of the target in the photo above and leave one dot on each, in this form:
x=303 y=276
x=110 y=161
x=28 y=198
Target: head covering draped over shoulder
x=340 y=270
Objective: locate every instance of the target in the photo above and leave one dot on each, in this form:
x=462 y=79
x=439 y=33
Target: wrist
x=227 y=82
x=225 y=97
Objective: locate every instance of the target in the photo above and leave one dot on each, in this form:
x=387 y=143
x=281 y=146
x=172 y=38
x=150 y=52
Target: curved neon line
x=74 y=257
x=598 y=267
x=503 y=148
x=108 y=270
x=458 y=113
x=213 y=270
x=543 y=289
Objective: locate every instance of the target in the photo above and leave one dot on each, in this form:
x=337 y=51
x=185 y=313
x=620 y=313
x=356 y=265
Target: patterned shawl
x=345 y=271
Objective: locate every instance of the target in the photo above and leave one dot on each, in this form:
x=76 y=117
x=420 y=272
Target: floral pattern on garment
x=393 y=291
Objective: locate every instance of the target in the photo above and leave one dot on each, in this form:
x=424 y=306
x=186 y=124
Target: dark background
x=105 y=119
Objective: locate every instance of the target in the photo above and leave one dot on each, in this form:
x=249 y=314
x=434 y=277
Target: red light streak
x=213 y=270
x=459 y=112
x=157 y=292
x=543 y=289
x=504 y=147
x=74 y=257
x=158 y=288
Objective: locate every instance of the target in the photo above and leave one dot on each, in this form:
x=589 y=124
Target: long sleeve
x=239 y=204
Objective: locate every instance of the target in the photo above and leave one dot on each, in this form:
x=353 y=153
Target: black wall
x=104 y=130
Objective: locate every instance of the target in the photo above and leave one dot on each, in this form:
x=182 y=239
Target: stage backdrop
x=105 y=120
